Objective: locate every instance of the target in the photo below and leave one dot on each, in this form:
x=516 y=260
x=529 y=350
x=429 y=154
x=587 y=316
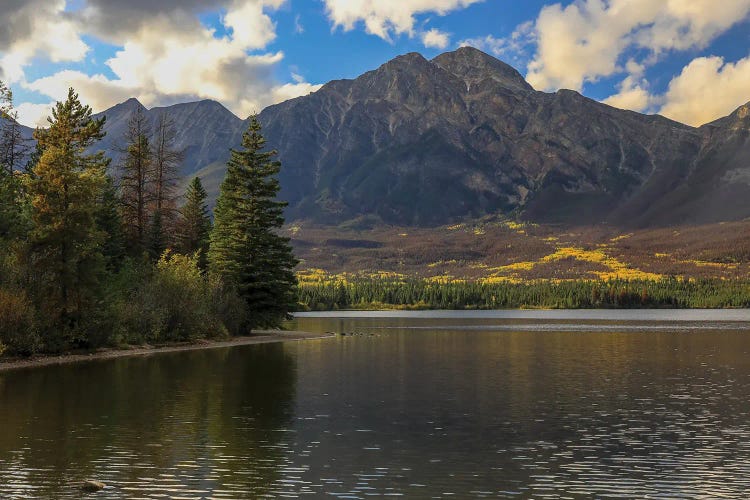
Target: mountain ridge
x=428 y=142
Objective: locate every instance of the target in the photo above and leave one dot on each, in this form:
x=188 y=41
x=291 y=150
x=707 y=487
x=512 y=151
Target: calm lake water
x=520 y=404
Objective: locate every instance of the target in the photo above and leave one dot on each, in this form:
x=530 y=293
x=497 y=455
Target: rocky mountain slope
x=205 y=130
x=418 y=142
x=427 y=142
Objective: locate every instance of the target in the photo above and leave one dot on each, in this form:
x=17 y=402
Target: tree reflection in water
x=207 y=421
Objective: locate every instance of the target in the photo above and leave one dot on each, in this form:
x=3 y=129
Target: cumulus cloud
x=165 y=54
x=586 y=40
x=435 y=39
x=34 y=115
x=707 y=89
x=633 y=94
x=95 y=90
x=32 y=28
x=292 y=90
x=388 y=18
x=511 y=49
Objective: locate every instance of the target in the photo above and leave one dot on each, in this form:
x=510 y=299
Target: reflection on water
x=186 y=424
x=417 y=407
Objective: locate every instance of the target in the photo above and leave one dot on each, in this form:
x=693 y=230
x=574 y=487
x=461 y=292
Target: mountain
x=206 y=130
x=420 y=142
x=429 y=142
x=24 y=150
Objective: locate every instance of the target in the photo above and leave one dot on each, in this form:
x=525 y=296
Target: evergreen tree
x=156 y=237
x=14 y=148
x=11 y=189
x=11 y=216
x=135 y=176
x=67 y=183
x=109 y=222
x=246 y=249
x=194 y=226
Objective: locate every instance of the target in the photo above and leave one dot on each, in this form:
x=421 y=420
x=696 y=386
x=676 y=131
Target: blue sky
x=686 y=59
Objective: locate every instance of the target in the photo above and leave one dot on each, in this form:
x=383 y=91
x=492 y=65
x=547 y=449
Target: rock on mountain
x=206 y=130
x=464 y=135
x=428 y=142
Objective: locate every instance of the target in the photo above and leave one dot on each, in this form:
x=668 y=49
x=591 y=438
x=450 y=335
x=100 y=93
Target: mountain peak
x=474 y=66
x=742 y=113
x=131 y=103
x=409 y=57
x=410 y=60
x=740 y=118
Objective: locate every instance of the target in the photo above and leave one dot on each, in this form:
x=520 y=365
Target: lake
x=490 y=404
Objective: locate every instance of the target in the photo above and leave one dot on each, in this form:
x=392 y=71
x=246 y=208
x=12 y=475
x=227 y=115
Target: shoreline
x=259 y=337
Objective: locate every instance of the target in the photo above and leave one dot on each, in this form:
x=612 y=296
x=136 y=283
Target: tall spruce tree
x=109 y=222
x=194 y=225
x=66 y=185
x=157 y=238
x=246 y=249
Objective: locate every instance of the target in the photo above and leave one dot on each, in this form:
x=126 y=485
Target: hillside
x=502 y=251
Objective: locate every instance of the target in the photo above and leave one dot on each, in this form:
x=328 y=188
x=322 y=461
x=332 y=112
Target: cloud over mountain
x=164 y=53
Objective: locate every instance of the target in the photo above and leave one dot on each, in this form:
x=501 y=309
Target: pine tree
x=109 y=222
x=135 y=175
x=64 y=190
x=194 y=226
x=11 y=214
x=11 y=149
x=246 y=249
x=14 y=148
x=156 y=244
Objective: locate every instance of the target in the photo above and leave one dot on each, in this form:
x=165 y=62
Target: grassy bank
x=574 y=294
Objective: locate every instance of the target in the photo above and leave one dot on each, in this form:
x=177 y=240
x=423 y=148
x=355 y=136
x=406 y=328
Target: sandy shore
x=258 y=337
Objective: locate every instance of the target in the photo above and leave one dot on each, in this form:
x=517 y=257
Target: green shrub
x=17 y=329
x=227 y=307
x=178 y=292
x=172 y=301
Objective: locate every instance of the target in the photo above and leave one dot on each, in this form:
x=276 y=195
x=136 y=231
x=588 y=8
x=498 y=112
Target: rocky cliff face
x=205 y=130
x=427 y=142
x=421 y=142
x=714 y=185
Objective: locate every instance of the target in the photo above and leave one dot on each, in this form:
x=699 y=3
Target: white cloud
x=34 y=115
x=97 y=91
x=251 y=27
x=32 y=28
x=292 y=90
x=386 y=18
x=707 y=89
x=165 y=54
x=586 y=40
x=299 y=28
x=633 y=94
x=512 y=48
x=435 y=38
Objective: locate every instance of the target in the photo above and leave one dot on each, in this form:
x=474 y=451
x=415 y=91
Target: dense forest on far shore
x=101 y=253
x=384 y=293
